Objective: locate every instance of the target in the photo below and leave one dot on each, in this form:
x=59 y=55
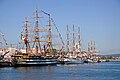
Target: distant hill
x=113 y=55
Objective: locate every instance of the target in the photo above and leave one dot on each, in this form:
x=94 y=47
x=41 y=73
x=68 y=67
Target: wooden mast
x=49 y=45
x=26 y=36
x=50 y=49
x=37 y=32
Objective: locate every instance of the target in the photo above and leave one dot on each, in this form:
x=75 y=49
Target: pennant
x=45 y=13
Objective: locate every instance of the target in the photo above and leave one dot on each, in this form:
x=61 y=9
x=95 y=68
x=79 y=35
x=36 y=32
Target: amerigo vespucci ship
x=42 y=51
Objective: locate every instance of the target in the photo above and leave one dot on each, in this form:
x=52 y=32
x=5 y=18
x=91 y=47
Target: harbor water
x=96 y=71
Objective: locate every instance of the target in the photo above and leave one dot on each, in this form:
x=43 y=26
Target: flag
x=45 y=13
x=25 y=40
x=21 y=36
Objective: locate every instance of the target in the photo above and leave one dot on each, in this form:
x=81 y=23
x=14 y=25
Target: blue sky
x=99 y=20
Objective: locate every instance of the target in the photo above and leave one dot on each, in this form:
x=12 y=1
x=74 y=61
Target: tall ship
x=39 y=46
x=73 y=48
x=91 y=53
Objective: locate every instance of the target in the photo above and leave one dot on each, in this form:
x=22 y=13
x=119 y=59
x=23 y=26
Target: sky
x=99 y=20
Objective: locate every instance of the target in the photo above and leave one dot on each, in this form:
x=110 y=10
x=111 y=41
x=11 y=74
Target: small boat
x=88 y=61
x=4 y=62
x=73 y=61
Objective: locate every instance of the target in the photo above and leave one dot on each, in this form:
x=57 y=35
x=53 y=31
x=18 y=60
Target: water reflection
x=36 y=73
x=101 y=71
x=23 y=68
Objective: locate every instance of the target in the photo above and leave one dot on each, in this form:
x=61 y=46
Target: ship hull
x=70 y=61
x=35 y=62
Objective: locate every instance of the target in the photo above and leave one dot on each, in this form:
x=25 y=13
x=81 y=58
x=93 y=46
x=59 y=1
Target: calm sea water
x=97 y=71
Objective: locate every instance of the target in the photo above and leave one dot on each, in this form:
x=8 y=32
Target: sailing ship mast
x=88 y=47
x=91 y=47
x=73 y=39
x=37 y=32
x=79 y=40
x=26 y=36
x=94 y=47
x=50 y=49
x=67 y=40
x=39 y=43
x=76 y=42
x=49 y=45
x=36 y=36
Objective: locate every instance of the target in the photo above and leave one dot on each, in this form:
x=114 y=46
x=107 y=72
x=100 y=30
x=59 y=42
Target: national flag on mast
x=21 y=36
x=25 y=40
